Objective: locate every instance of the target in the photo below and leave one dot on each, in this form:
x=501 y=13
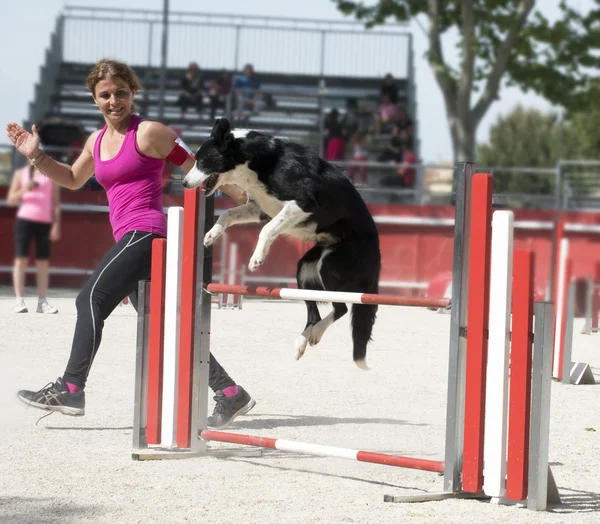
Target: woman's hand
x=55 y=233
x=26 y=143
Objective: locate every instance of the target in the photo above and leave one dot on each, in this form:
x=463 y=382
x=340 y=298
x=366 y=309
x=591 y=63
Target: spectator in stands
x=191 y=91
x=385 y=116
x=389 y=89
x=218 y=91
x=247 y=90
x=38 y=218
x=360 y=154
x=407 y=173
x=403 y=121
x=394 y=151
x=128 y=156
x=351 y=119
x=335 y=149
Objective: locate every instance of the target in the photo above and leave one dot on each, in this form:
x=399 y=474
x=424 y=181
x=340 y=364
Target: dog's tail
x=363 y=319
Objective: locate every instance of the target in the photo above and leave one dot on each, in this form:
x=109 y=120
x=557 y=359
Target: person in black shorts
x=38 y=219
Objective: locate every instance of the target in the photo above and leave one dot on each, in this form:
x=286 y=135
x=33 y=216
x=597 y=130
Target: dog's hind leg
x=317 y=331
x=343 y=270
x=307 y=277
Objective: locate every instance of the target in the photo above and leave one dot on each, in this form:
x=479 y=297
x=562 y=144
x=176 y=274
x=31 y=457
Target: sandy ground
x=79 y=470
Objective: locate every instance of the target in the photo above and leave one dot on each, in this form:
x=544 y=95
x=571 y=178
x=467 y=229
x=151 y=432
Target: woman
x=38 y=218
x=127 y=157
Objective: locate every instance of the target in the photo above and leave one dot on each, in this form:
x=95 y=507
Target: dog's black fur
x=307 y=197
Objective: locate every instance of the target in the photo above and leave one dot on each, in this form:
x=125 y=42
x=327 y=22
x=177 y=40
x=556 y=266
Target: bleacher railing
x=215 y=41
x=572 y=184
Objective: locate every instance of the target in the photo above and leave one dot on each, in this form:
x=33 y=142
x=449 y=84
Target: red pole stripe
x=365 y=298
x=399 y=461
x=520 y=376
x=187 y=316
x=156 y=340
x=362 y=456
x=477 y=328
x=235 y=438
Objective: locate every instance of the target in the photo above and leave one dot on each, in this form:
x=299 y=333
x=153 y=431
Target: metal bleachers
x=296 y=102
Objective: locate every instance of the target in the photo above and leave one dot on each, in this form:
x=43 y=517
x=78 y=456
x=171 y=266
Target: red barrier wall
x=410 y=251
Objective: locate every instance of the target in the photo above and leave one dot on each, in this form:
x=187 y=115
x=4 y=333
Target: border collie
x=308 y=198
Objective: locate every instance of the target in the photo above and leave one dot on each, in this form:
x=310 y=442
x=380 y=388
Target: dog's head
x=214 y=158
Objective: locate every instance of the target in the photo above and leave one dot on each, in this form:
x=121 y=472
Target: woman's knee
x=21 y=262
x=82 y=300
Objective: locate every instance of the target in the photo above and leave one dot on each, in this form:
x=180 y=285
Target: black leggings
x=115 y=278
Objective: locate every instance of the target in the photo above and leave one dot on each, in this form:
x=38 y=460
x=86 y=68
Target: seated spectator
x=247 y=90
x=385 y=116
x=389 y=89
x=334 y=135
x=350 y=120
x=394 y=151
x=360 y=154
x=218 y=91
x=407 y=174
x=191 y=90
x=403 y=121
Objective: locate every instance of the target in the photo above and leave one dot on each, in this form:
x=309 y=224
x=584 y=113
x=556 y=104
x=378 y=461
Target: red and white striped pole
x=563 y=277
x=329 y=296
x=324 y=451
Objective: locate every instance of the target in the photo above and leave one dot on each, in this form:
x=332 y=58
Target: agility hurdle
x=179 y=416
x=592 y=303
x=564 y=369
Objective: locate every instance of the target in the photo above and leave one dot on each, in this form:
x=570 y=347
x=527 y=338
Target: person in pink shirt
x=385 y=116
x=127 y=157
x=38 y=217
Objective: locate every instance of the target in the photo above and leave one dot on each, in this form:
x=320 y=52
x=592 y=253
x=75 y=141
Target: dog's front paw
x=215 y=232
x=256 y=261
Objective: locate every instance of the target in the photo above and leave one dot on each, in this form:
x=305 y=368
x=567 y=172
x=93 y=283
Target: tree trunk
x=463 y=139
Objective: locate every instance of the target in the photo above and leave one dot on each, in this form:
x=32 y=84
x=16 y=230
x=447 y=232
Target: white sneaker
x=20 y=306
x=44 y=307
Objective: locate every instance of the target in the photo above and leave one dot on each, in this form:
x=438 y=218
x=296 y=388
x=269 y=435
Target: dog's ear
x=215 y=127
x=222 y=134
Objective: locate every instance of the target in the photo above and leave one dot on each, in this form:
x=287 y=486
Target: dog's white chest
x=247 y=179
x=268 y=204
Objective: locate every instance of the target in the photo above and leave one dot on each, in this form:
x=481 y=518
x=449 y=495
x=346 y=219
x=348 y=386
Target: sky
x=26 y=28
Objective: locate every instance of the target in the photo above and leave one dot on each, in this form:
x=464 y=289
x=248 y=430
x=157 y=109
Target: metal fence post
x=163 y=62
x=458 y=321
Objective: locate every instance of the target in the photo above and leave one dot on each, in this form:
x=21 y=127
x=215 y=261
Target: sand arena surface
x=79 y=470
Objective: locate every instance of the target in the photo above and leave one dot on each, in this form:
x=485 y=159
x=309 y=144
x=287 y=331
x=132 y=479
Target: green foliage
x=551 y=58
x=530 y=138
x=522 y=138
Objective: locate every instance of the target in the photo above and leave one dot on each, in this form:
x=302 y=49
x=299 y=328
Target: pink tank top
x=133 y=184
x=36 y=204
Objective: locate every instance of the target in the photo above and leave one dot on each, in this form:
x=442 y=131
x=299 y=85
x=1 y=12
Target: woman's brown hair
x=107 y=68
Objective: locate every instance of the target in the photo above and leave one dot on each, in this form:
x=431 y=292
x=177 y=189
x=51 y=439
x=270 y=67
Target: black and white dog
x=308 y=198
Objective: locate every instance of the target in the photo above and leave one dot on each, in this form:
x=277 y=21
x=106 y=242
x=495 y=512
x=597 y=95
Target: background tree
x=529 y=138
x=522 y=138
x=499 y=40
